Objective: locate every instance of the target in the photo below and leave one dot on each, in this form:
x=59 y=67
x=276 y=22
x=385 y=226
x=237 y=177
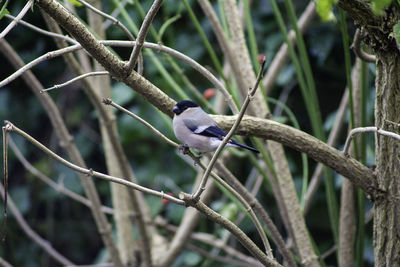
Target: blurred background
x=68 y=224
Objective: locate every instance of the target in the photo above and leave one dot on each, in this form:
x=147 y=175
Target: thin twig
x=207 y=74
x=216 y=177
x=80 y=77
x=231 y=227
x=58 y=187
x=114 y=14
x=108 y=101
x=44 y=32
x=357 y=48
x=44 y=244
x=249 y=210
x=250 y=95
x=91 y=172
x=38 y=60
x=4 y=263
x=66 y=142
x=282 y=55
x=142 y=34
x=365 y=130
x=223 y=42
x=211 y=240
x=5 y=173
x=259 y=209
x=217 y=258
x=15 y=21
x=332 y=140
x=111 y=18
x=119 y=24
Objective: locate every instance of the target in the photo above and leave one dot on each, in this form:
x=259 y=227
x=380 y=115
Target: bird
x=196 y=129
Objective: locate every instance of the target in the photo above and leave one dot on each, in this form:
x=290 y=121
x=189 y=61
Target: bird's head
x=181 y=106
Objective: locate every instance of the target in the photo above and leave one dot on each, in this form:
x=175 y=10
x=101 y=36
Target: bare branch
x=223 y=42
x=217 y=258
x=44 y=244
x=211 y=240
x=231 y=227
x=359 y=174
x=111 y=18
x=142 y=34
x=332 y=140
x=230 y=133
x=15 y=21
x=4 y=263
x=259 y=209
x=38 y=60
x=91 y=172
x=282 y=55
x=66 y=142
x=358 y=130
x=207 y=74
x=357 y=48
x=108 y=101
x=80 y=77
x=218 y=179
x=248 y=208
x=58 y=187
x=5 y=173
x=41 y=31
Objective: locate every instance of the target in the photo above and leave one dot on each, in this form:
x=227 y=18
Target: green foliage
x=378 y=6
x=3 y=9
x=75 y=3
x=324 y=9
x=396 y=33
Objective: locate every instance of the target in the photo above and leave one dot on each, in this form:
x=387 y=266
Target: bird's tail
x=233 y=142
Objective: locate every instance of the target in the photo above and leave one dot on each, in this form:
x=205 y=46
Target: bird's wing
x=205 y=130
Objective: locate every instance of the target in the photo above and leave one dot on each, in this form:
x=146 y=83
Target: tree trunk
x=378 y=34
x=387 y=117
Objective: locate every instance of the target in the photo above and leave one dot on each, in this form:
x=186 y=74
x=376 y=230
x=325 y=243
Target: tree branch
x=15 y=21
x=108 y=60
x=359 y=174
x=44 y=244
x=142 y=34
x=231 y=227
x=66 y=142
x=90 y=172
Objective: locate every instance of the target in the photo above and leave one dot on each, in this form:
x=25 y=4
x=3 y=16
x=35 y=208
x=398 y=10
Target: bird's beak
x=175 y=110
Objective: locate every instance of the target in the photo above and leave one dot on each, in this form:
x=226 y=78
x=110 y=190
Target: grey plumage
x=196 y=129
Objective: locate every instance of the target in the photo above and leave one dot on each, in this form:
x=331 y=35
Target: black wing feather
x=213 y=131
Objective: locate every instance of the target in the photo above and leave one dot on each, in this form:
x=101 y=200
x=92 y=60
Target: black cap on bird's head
x=181 y=106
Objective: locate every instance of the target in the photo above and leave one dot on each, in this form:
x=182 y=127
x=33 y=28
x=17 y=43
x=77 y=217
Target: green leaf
x=4 y=10
x=166 y=24
x=396 y=33
x=378 y=6
x=324 y=9
x=75 y=2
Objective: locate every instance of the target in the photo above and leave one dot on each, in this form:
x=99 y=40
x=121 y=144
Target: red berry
x=209 y=93
x=261 y=58
x=166 y=201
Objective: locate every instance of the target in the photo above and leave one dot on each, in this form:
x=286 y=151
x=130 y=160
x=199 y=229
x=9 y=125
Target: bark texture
x=377 y=33
x=387 y=116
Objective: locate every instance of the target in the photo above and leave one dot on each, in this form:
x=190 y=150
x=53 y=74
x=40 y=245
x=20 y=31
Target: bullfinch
x=196 y=129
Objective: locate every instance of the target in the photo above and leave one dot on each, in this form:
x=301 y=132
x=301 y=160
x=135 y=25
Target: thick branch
x=109 y=61
x=359 y=174
x=231 y=227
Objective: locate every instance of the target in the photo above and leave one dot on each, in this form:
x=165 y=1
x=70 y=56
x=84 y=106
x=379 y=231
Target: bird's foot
x=184 y=149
